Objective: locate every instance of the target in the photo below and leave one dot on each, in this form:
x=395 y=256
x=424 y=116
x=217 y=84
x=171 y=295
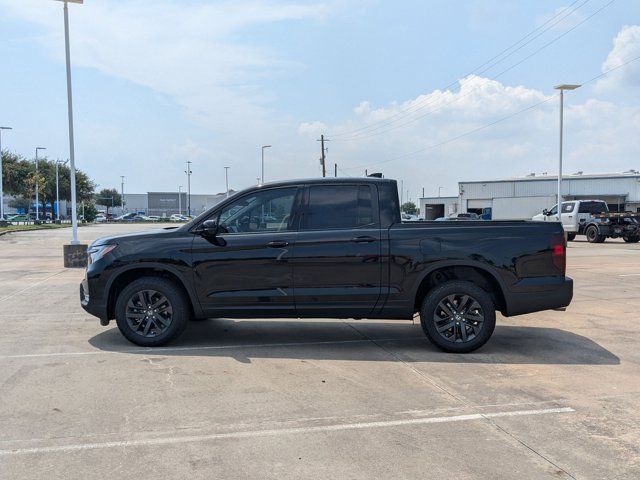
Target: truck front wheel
x=458 y=316
x=151 y=311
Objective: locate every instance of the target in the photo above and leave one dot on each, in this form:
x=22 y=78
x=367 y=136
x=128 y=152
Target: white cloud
x=599 y=136
x=626 y=46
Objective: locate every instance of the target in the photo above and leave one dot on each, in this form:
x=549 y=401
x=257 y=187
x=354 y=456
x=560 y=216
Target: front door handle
x=277 y=244
x=363 y=239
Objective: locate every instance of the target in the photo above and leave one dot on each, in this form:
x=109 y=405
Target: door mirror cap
x=545 y=212
x=209 y=228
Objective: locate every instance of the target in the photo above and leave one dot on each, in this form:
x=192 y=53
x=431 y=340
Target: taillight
x=559 y=255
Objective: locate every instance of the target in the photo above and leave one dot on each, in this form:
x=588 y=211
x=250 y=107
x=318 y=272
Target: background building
x=524 y=197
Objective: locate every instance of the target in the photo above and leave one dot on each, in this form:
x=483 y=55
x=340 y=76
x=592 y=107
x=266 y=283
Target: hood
x=133 y=236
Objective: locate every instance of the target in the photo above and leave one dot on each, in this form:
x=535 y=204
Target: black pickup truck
x=327 y=248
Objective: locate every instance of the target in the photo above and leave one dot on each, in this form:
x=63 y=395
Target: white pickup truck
x=593 y=219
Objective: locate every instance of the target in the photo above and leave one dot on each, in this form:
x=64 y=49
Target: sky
x=422 y=91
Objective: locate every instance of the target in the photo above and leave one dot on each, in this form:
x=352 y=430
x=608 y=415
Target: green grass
x=24 y=228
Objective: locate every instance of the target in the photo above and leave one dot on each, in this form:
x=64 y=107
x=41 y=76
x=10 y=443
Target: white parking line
x=282 y=431
x=159 y=351
x=630 y=275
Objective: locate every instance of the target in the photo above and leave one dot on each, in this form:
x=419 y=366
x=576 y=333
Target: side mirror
x=545 y=212
x=209 y=228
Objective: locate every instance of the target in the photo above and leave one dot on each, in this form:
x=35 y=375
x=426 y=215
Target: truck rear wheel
x=593 y=234
x=571 y=237
x=634 y=239
x=458 y=316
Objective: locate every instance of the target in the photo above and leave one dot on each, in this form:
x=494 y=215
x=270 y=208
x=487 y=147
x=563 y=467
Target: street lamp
x=75 y=254
x=562 y=88
x=439 y=190
x=122 y=193
x=37 y=201
x=188 y=172
x=58 y=163
x=180 y=199
x=1 y=178
x=226 y=179
x=263 y=147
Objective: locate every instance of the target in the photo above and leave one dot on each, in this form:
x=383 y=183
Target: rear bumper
x=536 y=294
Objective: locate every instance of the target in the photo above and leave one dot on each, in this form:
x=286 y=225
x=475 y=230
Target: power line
x=374 y=130
x=566 y=13
x=495 y=122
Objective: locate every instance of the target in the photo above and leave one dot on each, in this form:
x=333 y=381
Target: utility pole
x=422 y=192
x=401 y=193
x=335 y=169
x=122 y=193
x=188 y=172
x=180 y=199
x=322 y=158
x=226 y=178
x=1 y=191
x=262 y=176
x=37 y=187
x=562 y=88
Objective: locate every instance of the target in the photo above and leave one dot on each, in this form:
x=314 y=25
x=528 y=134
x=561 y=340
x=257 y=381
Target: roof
x=300 y=181
x=564 y=177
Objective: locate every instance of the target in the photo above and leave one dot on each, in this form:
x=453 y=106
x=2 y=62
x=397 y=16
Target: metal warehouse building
x=524 y=197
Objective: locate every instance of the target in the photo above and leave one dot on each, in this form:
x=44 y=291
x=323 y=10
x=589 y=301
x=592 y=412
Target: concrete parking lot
x=552 y=395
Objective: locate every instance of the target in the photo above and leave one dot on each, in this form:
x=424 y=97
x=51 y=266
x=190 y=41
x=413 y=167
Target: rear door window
x=339 y=207
x=593 y=207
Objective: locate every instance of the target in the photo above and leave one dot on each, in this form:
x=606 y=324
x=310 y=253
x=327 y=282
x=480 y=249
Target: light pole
x=439 y=190
x=72 y=156
x=263 y=147
x=58 y=163
x=188 y=172
x=122 y=193
x=179 y=199
x=226 y=179
x=562 y=88
x=37 y=201
x=1 y=177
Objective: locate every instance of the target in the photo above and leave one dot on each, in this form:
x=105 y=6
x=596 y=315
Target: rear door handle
x=363 y=239
x=277 y=244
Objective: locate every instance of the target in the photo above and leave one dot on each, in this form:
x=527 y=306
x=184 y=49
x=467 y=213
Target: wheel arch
x=475 y=273
x=128 y=274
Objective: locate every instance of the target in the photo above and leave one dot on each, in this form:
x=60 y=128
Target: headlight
x=96 y=253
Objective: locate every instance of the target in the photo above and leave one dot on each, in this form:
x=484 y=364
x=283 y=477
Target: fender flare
x=462 y=263
x=197 y=308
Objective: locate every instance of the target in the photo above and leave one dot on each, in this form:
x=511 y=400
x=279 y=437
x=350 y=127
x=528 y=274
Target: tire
x=634 y=239
x=134 y=311
x=593 y=234
x=433 y=316
x=571 y=237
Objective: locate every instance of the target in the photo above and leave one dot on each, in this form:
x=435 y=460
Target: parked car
x=100 y=218
x=593 y=219
x=409 y=217
x=464 y=216
x=127 y=217
x=21 y=217
x=340 y=251
x=176 y=217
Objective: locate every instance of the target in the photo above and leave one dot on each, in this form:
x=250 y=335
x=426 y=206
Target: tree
x=410 y=208
x=19 y=176
x=90 y=212
x=108 y=197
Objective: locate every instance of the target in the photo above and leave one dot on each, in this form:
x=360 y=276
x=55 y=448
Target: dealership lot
x=552 y=395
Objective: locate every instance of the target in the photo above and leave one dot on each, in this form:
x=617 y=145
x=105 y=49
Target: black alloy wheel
x=149 y=313
x=152 y=311
x=458 y=316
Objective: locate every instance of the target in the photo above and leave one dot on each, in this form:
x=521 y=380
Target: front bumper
x=537 y=294
x=97 y=309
